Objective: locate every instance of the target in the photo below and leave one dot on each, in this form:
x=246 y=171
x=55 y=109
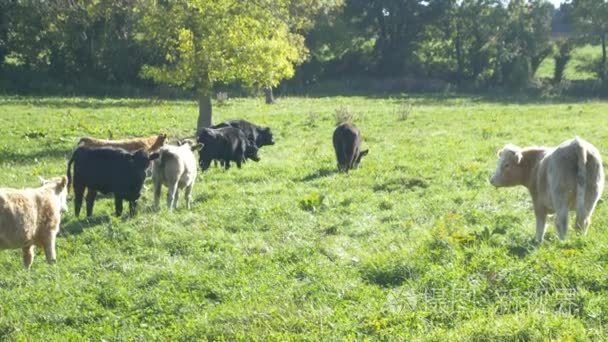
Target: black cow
x=108 y=170
x=347 y=143
x=225 y=144
x=261 y=136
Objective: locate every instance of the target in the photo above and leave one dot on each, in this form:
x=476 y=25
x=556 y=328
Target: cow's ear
x=179 y=142
x=363 y=153
x=63 y=182
x=154 y=155
x=197 y=147
x=42 y=180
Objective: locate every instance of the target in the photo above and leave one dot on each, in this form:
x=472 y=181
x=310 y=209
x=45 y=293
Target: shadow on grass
x=90 y=103
x=319 y=174
x=400 y=184
x=76 y=226
x=18 y=157
x=202 y=198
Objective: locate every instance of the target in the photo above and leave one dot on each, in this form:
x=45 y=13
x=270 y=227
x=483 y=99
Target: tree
x=562 y=56
x=205 y=41
x=398 y=25
x=590 y=24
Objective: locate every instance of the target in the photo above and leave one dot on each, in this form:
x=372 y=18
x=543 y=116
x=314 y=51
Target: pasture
x=413 y=245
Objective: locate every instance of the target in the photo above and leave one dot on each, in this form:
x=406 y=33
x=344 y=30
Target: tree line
x=257 y=44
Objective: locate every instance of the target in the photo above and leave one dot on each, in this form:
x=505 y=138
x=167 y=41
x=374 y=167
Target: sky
x=556 y=3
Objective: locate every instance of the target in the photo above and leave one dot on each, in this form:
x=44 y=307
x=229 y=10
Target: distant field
x=415 y=245
x=580 y=56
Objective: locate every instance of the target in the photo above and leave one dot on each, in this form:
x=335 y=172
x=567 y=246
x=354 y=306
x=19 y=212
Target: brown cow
x=149 y=144
x=567 y=177
x=31 y=217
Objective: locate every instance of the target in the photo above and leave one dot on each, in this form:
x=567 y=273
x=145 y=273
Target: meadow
x=576 y=69
x=414 y=245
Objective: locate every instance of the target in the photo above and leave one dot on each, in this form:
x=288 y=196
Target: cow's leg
x=591 y=198
x=118 y=205
x=49 y=248
x=28 y=256
x=176 y=198
x=561 y=217
x=171 y=195
x=157 y=188
x=91 y=195
x=78 y=196
x=541 y=223
x=226 y=164
x=205 y=164
x=238 y=163
x=132 y=207
x=188 y=195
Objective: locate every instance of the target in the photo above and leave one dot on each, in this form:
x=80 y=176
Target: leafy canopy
x=204 y=41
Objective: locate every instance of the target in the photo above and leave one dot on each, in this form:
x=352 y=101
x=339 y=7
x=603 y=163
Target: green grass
x=414 y=245
x=581 y=56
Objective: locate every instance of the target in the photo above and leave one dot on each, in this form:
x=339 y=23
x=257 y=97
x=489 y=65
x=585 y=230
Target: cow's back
x=558 y=172
x=22 y=215
x=346 y=140
x=104 y=169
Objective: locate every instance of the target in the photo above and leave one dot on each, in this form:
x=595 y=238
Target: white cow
x=176 y=169
x=567 y=177
x=31 y=217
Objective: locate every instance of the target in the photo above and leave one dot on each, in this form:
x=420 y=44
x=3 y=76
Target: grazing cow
x=149 y=144
x=568 y=177
x=261 y=136
x=225 y=144
x=175 y=168
x=108 y=170
x=31 y=217
x=347 y=143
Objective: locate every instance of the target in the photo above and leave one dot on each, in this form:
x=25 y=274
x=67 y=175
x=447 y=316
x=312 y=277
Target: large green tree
x=590 y=23
x=256 y=43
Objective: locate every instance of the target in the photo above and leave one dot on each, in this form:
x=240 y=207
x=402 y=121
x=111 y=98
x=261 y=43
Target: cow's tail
x=581 y=180
x=70 y=169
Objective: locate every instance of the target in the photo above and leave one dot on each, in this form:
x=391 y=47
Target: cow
x=347 y=144
x=149 y=144
x=225 y=144
x=31 y=217
x=261 y=136
x=567 y=177
x=108 y=170
x=176 y=169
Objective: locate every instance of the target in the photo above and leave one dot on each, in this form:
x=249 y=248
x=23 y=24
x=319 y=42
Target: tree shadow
x=29 y=156
x=89 y=102
x=321 y=173
x=400 y=184
x=75 y=226
x=202 y=198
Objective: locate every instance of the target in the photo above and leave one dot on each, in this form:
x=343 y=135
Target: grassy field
x=414 y=245
x=580 y=57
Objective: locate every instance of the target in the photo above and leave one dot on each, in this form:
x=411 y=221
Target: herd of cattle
x=567 y=177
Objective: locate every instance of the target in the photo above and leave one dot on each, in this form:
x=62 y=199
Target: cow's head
x=142 y=159
x=509 y=171
x=265 y=137
x=251 y=151
x=159 y=142
x=207 y=135
x=59 y=186
x=193 y=145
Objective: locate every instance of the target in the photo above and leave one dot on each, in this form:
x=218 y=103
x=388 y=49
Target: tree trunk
x=204 y=109
x=603 y=66
x=269 y=95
